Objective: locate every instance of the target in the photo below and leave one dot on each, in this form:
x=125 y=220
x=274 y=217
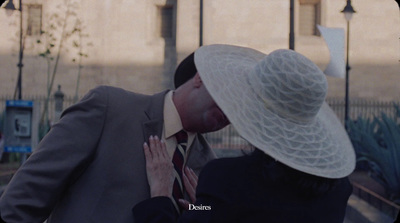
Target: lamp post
x=10 y=9
x=201 y=24
x=348 y=14
x=58 y=105
x=291 y=29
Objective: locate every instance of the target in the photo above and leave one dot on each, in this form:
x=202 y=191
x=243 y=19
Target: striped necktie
x=178 y=160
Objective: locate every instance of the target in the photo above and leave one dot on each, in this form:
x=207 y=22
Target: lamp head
x=348 y=11
x=9 y=6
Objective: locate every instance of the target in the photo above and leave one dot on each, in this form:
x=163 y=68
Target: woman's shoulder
x=230 y=179
x=229 y=164
x=225 y=170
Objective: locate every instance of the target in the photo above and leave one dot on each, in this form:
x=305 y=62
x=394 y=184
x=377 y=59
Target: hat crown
x=291 y=85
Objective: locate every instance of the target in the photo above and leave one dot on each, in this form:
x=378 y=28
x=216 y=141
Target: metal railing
x=363 y=108
x=384 y=205
x=228 y=137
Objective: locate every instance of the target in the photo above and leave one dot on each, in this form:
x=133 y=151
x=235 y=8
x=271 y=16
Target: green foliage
x=63 y=29
x=80 y=43
x=377 y=142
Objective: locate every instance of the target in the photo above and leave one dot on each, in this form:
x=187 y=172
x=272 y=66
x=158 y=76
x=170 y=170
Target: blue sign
x=18 y=149
x=19 y=103
x=18 y=129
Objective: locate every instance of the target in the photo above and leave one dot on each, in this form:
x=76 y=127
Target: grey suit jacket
x=90 y=167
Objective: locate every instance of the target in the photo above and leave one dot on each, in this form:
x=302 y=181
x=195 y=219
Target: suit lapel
x=200 y=154
x=154 y=125
x=152 y=128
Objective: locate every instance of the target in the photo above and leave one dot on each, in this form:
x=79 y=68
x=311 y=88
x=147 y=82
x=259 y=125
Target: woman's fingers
x=153 y=140
x=193 y=177
x=184 y=204
x=164 y=150
x=189 y=189
x=159 y=168
x=190 y=182
x=161 y=149
x=156 y=150
x=147 y=152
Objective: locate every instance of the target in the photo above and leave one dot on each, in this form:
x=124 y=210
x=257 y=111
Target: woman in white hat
x=298 y=171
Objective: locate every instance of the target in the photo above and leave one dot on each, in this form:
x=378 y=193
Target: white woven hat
x=277 y=103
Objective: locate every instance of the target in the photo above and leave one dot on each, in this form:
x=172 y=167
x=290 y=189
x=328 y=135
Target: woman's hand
x=159 y=168
x=190 y=182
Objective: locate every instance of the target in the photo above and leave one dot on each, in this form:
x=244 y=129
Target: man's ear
x=197 y=80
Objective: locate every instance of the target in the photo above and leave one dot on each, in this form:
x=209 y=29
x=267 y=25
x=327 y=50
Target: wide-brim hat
x=277 y=103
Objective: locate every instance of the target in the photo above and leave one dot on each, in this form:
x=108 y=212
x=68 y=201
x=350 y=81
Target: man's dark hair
x=185 y=71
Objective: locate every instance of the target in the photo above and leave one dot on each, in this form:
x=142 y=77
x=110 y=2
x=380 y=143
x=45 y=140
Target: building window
x=34 y=24
x=165 y=21
x=309 y=17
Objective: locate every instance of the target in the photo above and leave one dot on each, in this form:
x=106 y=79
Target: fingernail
x=156 y=137
x=151 y=137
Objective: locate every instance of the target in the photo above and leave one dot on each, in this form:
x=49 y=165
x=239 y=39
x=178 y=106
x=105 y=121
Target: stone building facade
x=137 y=44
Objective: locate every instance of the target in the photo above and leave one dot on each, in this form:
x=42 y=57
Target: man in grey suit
x=90 y=167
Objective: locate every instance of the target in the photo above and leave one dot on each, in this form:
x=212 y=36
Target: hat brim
x=320 y=148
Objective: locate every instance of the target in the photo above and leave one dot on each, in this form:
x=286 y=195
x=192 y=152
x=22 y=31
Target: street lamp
x=10 y=8
x=291 y=23
x=201 y=24
x=348 y=14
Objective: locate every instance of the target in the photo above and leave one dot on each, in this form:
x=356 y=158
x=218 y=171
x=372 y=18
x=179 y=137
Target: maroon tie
x=178 y=160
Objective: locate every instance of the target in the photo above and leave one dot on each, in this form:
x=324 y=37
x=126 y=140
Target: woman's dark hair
x=307 y=184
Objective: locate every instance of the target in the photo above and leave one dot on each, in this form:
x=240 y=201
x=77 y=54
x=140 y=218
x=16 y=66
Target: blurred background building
x=137 y=44
x=71 y=46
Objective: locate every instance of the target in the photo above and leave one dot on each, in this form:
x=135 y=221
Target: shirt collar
x=172 y=120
